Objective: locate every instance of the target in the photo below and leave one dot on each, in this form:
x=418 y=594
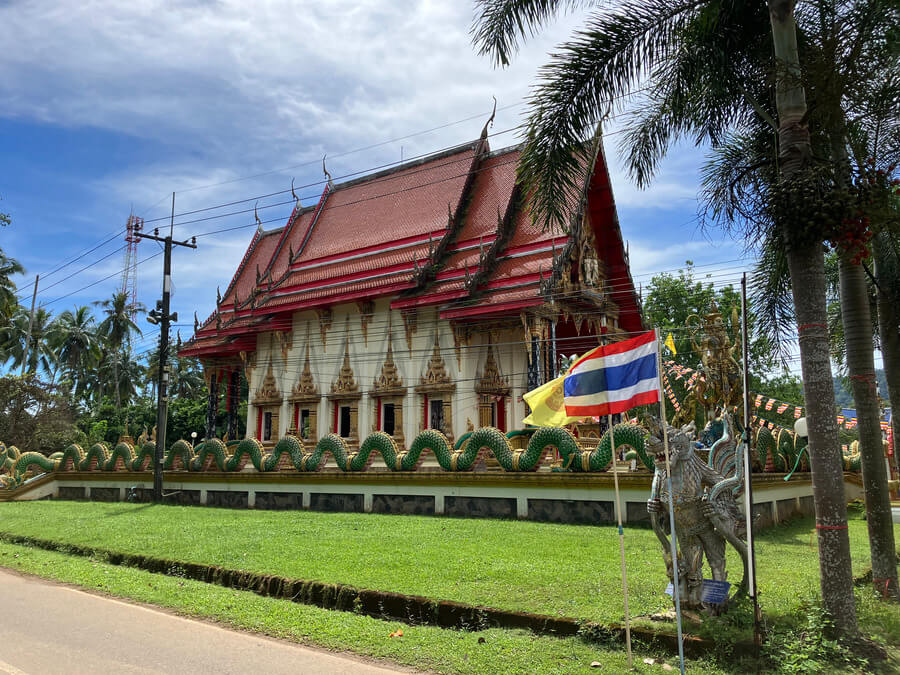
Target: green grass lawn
x=567 y=570
x=553 y=569
x=444 y=651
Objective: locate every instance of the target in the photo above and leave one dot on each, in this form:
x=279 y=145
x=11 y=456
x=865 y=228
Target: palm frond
x=586 y=77
x=770 y=289
x=501 y=25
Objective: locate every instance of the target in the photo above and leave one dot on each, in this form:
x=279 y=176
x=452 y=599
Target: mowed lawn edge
x=563 y=570
x=422 y=647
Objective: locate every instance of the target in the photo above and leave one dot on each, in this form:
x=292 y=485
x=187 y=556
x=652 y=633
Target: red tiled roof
x=367 y=238
x=278 y=265
x=258 y=254
x=408 y=202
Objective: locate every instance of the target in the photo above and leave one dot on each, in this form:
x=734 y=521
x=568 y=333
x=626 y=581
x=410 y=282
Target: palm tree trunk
x=857 y=321
x=806 y=261
x=116 y=378
x=856 y=318
x=889 y=331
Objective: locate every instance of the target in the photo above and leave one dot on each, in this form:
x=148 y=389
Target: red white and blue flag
x=613 y=378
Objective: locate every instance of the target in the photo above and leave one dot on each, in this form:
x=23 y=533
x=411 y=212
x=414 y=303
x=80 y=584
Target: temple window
x=270 y=425
x=344 y=421
x=304 y=423
x=387 y=418
x=345 y=397
x=268 y=404
x=436 y=414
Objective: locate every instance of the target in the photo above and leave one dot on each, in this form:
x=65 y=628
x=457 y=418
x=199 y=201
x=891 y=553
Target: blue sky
x=109 y=108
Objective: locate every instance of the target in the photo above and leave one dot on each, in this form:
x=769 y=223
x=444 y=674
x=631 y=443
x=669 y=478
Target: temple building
x=422 y=296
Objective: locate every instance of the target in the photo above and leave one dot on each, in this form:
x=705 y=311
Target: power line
x=361 y=172
x=313 y=162
x=291 y=202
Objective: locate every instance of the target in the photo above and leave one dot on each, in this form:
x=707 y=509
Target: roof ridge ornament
x=325 y=171
x=294 y=194
x=490 y=122
x=259 y=227
x=196 y=322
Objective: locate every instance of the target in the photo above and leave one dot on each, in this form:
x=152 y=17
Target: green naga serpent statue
x=289 y=452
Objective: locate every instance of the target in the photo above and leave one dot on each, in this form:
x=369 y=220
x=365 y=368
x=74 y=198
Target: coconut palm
x=124 y=372
x=853 y=119
x=74 y=337
x=703 y=73
x=116 y=330
x=35 y=352
x=8 y=300
x=189 y=380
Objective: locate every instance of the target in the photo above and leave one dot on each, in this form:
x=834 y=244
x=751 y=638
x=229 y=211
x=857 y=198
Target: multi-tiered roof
x=449 y=231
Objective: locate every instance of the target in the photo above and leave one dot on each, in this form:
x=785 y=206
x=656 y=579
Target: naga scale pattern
x=289 y=453
x=782 y=452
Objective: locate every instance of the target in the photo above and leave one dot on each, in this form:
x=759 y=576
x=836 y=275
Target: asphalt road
x=48 y=628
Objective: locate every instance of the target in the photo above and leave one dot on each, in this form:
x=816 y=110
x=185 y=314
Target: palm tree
x=74 y=337
x=189 y=380
x=116 y=330
x=14 y=340
x=853 y=120
x=8 y=299
x=704 y=75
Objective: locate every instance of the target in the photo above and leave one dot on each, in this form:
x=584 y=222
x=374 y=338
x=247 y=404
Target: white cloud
x=230 y=88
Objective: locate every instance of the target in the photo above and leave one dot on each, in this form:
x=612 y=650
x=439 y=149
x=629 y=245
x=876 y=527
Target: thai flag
x=613 y=378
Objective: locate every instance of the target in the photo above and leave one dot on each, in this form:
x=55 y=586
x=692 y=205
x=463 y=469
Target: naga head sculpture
x=681 y=443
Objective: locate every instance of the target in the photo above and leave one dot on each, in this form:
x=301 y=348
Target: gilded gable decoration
x=490 y=380
x=461 y=336
x=389 y=382
x=436 y=377
x=306 y=385
x=366 y=312
x=285 y=341
x=345 y=385
x=325 y=319
x=268 y=391
x=410 y=324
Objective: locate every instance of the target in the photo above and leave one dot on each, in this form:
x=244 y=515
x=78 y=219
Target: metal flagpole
x=612 y=445
x=748 y=483
x=675 y=593
x=612 y=442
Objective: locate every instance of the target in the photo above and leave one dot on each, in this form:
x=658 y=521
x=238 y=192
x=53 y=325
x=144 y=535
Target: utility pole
x=30 y=325
x=161 y=316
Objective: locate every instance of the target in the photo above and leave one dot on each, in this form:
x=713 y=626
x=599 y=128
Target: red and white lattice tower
x=129 y=270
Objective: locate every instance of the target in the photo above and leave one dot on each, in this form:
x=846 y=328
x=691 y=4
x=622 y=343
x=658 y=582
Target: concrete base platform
x=548 y=497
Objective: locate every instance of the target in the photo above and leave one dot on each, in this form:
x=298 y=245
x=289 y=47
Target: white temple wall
x=412 y=351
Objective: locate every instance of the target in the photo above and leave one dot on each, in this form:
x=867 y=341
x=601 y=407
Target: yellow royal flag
x=548 y=405
x=670 y=343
